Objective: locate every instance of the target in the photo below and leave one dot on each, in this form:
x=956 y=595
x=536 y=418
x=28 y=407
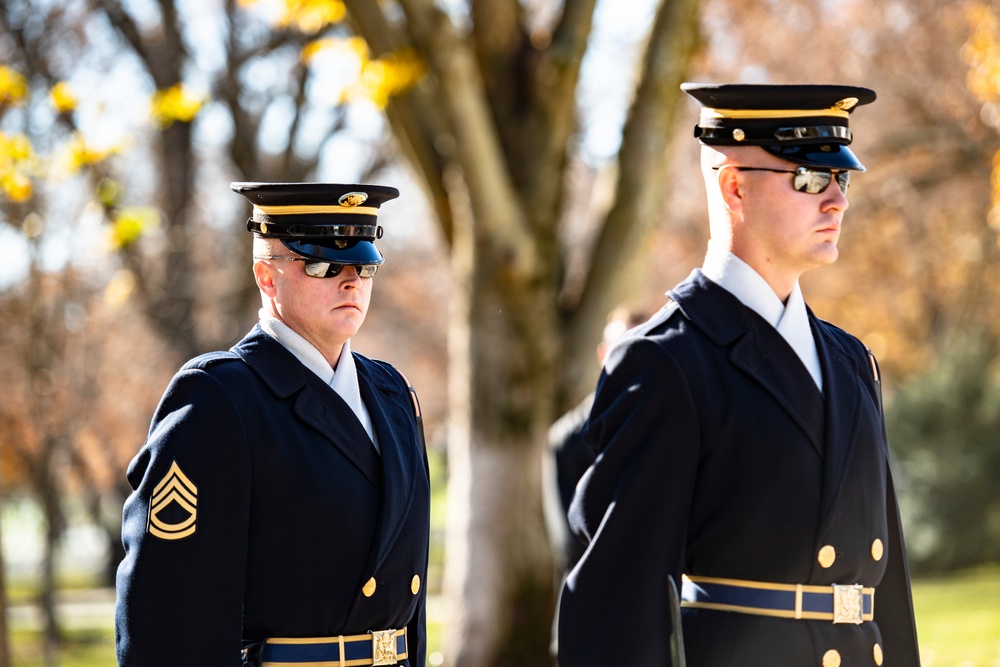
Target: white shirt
x=790 y=319
x=343 y=379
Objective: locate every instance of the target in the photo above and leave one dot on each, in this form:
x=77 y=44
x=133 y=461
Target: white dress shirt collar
x=343 y=379
x=790 y=319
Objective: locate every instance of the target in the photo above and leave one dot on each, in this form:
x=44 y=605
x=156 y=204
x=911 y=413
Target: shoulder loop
x=413 y=395
x=209 y=358
x=878 y=381
x=667 y=310
x=417 y=414
x=874 y=365
x=661 y=316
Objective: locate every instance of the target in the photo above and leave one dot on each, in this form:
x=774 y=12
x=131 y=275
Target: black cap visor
x=821 y=156
x=329 y=250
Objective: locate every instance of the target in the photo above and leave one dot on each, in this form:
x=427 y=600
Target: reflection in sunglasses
x=810 y=181
x=316 y=269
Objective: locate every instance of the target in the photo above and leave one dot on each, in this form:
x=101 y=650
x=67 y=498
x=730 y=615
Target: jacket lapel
x=842 y=379
x=317 y=404
x=765 y=356
x=324 y=409
x=757 y=349
x=389 y=408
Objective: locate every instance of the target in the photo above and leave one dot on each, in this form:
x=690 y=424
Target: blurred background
x=548 y=174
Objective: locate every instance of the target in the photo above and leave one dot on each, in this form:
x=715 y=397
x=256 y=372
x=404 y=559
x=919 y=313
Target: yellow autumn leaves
x=360 y=77
x=177 y=104
x=17 y=159
x=373 y=80
x=307 y=16
x=982 y=53
x=19 y=163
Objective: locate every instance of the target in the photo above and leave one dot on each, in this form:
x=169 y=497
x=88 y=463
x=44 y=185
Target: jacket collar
x=390 y=409
x=727 y=323
x=314 y=401
x=757 y=349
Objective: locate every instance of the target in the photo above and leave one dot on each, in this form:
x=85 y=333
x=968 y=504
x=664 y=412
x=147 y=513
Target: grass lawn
x=82 y=648
x=958 y=618
x=958 y=623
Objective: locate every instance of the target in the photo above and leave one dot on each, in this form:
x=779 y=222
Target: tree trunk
x=49 y=497
x=4 y=634
x=498 y=573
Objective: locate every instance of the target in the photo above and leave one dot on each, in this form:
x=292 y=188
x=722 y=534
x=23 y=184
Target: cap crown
x=807 y=124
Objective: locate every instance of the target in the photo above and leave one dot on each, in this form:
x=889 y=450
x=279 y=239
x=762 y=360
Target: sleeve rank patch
x=173 y=508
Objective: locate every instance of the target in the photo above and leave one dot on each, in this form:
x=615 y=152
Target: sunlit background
x=123 y=252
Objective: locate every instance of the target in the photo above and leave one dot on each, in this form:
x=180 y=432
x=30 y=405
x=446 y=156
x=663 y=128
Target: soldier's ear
x=263 y=273
x=731 y=187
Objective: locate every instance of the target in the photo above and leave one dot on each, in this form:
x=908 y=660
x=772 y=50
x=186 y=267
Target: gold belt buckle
x=384 y=647
x=848 y=603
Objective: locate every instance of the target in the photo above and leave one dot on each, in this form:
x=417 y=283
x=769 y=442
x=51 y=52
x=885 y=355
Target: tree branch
x=555 y=79
x=497 y=25
x=124 y=24
x=416 y=116
x=498 y=218
x=642 y=178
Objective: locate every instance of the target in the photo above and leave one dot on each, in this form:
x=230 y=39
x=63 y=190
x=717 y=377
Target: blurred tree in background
x=946 y=419
x=545 y=180
x=490 y=132
x=480 y=100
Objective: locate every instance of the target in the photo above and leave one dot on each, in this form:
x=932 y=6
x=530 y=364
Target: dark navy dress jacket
x=719 y=457
x=262 y=509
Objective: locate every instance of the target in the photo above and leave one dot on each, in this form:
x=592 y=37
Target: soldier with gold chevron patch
x=741 y=445
x=281 y=501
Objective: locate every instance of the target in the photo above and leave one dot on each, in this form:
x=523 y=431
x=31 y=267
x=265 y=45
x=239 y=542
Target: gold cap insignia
x=173 y=508
x=353 y=199
x=847 y=103
x=739 y=135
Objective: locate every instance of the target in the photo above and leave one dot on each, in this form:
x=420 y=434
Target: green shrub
x=944 y=427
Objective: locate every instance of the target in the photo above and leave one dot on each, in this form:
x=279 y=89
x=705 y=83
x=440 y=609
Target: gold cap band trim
x=313 y=210
x=750 y=114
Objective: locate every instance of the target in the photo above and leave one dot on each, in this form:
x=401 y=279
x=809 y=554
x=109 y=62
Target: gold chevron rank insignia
x=173 y=509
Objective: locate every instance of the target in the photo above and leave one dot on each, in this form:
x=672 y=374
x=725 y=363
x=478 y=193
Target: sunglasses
x=810 y=181
x=317 y=269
